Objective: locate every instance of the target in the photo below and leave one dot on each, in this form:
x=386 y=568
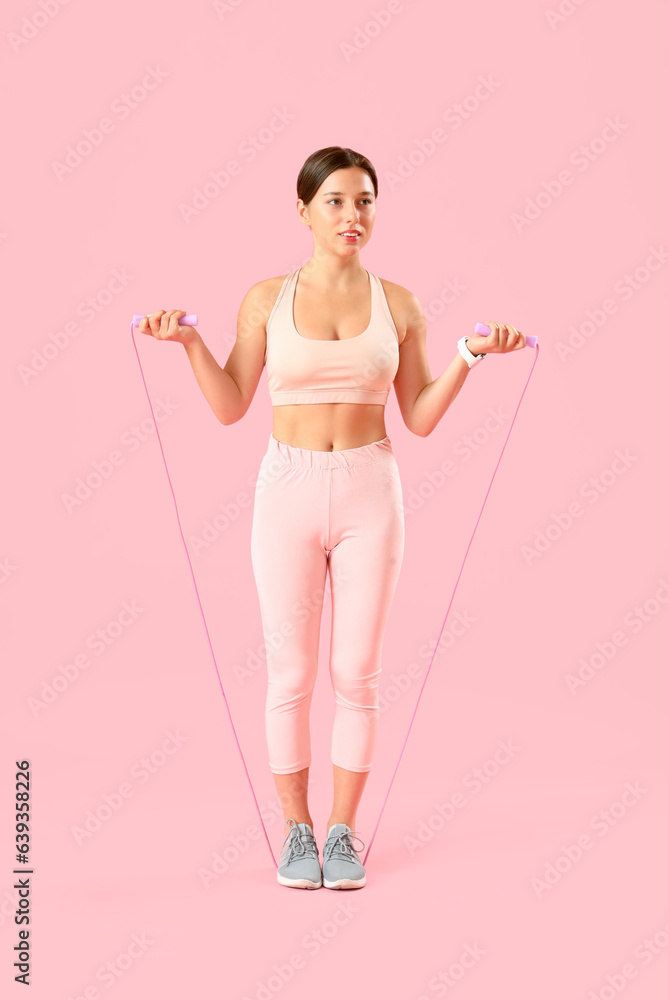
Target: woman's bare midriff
x=329 y=426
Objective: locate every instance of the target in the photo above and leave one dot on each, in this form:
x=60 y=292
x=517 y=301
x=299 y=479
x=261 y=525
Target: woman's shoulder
x=263 y=294
x=268 y=284
x=400 y=294
x=401 y=302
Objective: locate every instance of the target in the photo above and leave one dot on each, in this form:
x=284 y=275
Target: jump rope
x=482 y=330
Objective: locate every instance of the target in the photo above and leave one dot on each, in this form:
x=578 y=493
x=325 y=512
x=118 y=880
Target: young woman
x=328 y=498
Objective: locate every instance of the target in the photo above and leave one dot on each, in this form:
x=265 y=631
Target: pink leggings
x=316 y=512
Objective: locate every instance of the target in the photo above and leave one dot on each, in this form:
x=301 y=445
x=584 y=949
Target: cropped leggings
x=319 y=512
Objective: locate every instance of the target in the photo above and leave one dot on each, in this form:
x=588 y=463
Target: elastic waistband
x=343 y=459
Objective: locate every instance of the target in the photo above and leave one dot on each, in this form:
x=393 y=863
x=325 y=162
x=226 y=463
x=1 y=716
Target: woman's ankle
x=333 y=820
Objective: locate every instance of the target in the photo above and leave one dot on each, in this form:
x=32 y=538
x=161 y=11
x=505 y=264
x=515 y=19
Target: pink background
x=467 y=903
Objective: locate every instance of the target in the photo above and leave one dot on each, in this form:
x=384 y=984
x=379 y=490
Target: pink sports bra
x=357 y=369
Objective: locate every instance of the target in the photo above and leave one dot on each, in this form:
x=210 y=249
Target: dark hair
x=325 y=161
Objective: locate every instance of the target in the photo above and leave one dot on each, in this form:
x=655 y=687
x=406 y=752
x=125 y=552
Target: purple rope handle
x=185 y=545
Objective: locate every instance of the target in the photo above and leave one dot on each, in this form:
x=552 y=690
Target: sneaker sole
x=345 y=883
x=298 y=883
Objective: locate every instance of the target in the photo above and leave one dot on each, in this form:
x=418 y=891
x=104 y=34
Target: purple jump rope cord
x=213 y=657
x=410 y=726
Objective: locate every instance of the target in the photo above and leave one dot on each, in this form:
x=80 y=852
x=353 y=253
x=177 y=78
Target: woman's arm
x=423 y=400
x=220 y=390
x=229 y=391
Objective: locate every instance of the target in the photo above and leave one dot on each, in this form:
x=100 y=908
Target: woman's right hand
x=164 y=325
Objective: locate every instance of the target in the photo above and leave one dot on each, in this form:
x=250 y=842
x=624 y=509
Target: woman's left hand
x=502 y=338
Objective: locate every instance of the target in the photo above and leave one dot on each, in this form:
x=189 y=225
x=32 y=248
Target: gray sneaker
x=341 y=868
x=299 y=865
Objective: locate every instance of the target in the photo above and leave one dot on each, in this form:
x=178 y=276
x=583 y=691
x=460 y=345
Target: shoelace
x=341 y=846
x=302 y=844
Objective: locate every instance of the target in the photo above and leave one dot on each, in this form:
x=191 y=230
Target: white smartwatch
x=470 y=359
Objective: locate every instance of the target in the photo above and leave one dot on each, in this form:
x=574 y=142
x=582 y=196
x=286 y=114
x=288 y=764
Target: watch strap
x=470 y=359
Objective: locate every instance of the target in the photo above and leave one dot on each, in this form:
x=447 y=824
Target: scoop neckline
x=316 y=340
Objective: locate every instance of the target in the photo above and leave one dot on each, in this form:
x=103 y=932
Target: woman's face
x=344 y=201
